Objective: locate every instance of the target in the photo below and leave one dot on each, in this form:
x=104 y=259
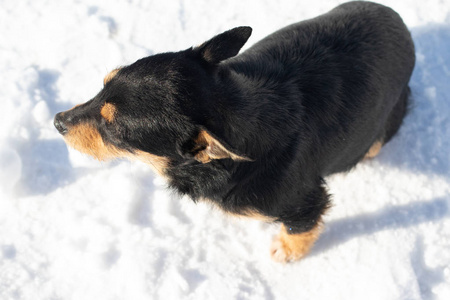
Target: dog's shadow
x=340 y=231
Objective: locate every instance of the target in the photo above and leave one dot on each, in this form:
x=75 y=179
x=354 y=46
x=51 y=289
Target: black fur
x=305 y=102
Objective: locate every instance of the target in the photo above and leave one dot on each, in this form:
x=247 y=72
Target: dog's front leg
x=301 y=225
x=289 y=246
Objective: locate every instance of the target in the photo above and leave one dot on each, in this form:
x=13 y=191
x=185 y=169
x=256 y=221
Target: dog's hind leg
x=392 y=125
x=374 y=149
x=397 y=114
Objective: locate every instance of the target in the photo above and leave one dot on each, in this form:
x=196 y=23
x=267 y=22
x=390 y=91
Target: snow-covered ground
x=74 y=228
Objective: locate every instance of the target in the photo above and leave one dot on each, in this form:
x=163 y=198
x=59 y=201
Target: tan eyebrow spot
x=110 y=76
x=108 y=112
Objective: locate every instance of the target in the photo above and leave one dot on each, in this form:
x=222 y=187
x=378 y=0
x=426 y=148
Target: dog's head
x=153 y=109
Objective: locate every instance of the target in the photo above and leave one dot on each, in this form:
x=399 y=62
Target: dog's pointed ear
x=205 y=148
x=224 y=45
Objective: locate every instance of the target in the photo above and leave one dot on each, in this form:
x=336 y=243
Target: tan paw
x=288 y=247
x=281 y=253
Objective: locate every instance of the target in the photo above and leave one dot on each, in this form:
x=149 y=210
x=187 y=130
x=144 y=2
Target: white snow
x=75 y=228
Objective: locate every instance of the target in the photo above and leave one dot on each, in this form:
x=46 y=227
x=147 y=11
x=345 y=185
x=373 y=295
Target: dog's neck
x=246 y=112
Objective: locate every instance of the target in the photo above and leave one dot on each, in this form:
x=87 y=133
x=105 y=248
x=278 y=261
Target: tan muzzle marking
x=86 y=139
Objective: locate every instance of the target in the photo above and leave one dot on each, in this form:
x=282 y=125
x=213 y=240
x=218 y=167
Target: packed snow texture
x=75 y=228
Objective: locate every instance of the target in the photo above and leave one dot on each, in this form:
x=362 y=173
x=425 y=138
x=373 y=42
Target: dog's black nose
x=59 y=124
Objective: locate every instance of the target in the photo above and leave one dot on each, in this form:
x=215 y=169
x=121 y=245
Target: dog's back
x=337 y=76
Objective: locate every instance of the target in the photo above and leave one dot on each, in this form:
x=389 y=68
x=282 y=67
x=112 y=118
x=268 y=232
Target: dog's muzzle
x=59 y=123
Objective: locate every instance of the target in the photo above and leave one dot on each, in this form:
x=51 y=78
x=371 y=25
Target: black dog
x=257 y=133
